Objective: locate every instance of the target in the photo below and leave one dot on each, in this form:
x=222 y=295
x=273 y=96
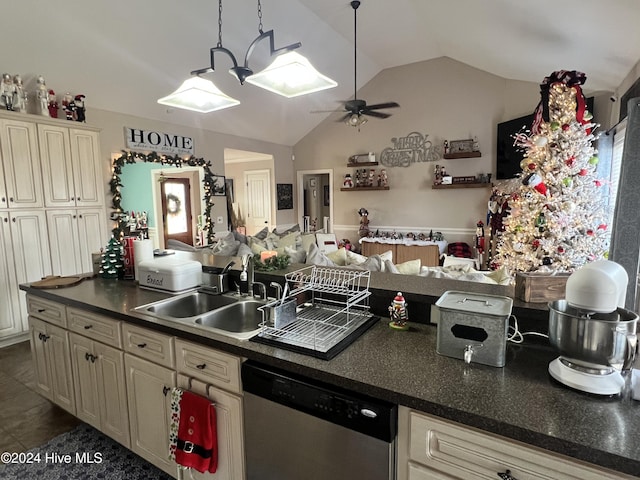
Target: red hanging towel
x=193 y=440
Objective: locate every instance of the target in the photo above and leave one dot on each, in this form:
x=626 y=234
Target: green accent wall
x=136 y=188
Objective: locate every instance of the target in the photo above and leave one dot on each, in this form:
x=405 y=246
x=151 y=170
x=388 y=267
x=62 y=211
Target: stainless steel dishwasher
x=297 y=428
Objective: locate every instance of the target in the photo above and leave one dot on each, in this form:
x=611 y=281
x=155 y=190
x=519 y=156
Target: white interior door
x=258 y=196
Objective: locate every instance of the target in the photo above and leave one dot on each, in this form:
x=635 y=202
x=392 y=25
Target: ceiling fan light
x=291 y=75
x=198 y=95
x=356 y=120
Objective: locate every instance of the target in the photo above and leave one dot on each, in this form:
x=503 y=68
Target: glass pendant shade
x=291 y=75
x=198 y=95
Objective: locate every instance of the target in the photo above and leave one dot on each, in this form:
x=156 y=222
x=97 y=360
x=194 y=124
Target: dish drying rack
x=333 y=311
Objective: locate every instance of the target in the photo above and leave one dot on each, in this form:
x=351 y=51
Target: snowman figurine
x=348 y=183
x=398 y=313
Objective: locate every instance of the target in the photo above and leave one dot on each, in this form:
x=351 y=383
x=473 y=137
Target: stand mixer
x=595 y=335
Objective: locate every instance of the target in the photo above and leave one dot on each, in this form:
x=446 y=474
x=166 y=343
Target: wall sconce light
x=289 y=75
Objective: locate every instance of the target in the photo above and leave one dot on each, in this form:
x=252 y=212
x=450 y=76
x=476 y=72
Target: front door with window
x=176 y=210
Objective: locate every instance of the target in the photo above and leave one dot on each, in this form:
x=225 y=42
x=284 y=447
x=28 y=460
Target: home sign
x=149 y=140
x=408 y=150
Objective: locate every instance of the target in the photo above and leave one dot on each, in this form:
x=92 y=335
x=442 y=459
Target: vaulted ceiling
x=123 y=54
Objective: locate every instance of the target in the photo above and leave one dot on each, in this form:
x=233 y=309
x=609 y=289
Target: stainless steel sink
x=189 y=305
x=241 y=317
x=237 y=317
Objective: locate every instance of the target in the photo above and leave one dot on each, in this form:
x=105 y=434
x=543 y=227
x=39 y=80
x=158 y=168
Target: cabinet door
x=30 y=251
x=55 y=153
x=10 y=323
x=92 y=235
x=112 y=395
x=371 y=248
x=149 y=398
x=21 y=162
x=58 y=352
x=87 y=173
x=42 y=373
x=85 y=383
x=64 y=241
x=229 y=428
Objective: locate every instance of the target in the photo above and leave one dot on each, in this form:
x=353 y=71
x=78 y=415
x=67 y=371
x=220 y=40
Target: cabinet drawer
x=52 y=312
x=97 y=327
x=145 y=343
x=208 y=365
x=463 y=452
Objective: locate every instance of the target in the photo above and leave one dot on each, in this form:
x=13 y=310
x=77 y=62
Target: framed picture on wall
x=285 y=196
x=218 y=185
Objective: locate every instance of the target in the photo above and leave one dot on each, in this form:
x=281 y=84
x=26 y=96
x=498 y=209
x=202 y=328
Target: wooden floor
x=27 y=420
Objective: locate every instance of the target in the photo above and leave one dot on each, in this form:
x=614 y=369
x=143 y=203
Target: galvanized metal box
x=473 y=327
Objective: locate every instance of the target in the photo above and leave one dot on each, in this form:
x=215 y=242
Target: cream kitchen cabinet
x=73 y=235
x=26 y=259
x=99 y=385
x=52 y=363
x=20 y=173
x=149 y=398
x=430 y=448
x=216 y=375
x=71 y=166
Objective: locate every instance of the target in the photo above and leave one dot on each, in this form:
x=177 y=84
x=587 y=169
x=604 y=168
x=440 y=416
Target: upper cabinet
x=22 y=185
x=70 y=162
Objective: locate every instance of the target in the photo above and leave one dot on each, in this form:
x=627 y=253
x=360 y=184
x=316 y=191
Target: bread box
x=473 y=327
x=170 y=274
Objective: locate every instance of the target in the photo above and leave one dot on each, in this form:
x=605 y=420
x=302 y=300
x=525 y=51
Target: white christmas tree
x=559 y=215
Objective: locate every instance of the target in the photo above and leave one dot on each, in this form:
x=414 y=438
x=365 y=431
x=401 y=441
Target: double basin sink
x=231 y=315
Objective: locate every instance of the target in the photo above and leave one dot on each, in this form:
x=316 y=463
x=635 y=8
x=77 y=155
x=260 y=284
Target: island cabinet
x=430 y=448
x=98 y=373
x=50 y=353
x=216 y=375
x=150 y=372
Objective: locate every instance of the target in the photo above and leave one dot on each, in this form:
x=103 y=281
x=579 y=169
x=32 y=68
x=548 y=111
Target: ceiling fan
x=356 y=109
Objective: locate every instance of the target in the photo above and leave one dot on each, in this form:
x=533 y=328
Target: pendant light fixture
x=289 y=75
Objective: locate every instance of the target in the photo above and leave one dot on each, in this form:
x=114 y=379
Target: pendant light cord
x=260 y=18
x=219 y=23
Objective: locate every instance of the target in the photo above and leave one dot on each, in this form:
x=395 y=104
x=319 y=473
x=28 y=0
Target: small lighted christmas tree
x=559 y=215
x=112 y=263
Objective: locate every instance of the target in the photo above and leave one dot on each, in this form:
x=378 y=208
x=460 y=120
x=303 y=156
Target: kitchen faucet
x=247 y=274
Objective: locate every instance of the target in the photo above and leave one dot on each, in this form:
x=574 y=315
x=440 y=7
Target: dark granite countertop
x=519 y=401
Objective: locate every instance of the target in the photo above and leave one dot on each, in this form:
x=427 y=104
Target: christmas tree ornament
x=540 y=141
x=583 y=172
x=594 y=160
x=570 y=161
x=532 y=166
x=547 y=261
x=534 y=181
x=602 y=226
x=554 y=126
x=565 y=127
x=567 y=181
x=535 y=243
x=598 y=183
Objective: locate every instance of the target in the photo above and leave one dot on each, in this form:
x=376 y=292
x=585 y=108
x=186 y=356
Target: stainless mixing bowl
x=607 y=339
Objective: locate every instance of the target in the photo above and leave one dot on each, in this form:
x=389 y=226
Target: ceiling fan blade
x=344 y=118
x=378 y=106
x=376 y=114
x=326 y=111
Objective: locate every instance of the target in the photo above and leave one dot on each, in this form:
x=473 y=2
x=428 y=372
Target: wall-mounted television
x=509 y=157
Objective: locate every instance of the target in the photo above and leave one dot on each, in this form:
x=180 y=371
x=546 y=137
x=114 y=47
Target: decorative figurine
x=53 y=104
x=372 y=176
x=385 y=178
x=7 y=91
x=348 y=182
x=69 y=106
x=398 y=313
x=446 y=147
x=80 y=111
x=20 y=96
x=363 y=231
x=42 y=94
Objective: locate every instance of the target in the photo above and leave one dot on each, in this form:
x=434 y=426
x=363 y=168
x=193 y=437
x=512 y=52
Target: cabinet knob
x=78 y=199
x=41 y=310
x=79 y=216
x=87 y=327
x=4 y=199
x=142 y=345
x=11 y=199
x=45 y=337
x=165 y=390
x=202 y=366
x=13 y=219
x=506 y=475
x=6 y=220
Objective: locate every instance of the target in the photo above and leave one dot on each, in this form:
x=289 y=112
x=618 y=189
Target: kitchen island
x=519 y=401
